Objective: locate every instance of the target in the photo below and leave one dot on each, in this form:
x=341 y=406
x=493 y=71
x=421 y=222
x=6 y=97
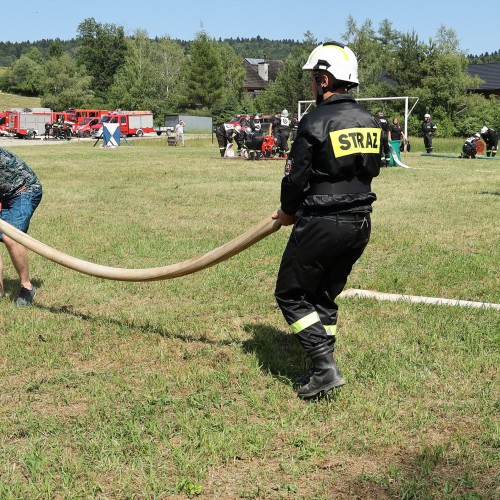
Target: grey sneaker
x=25 y=297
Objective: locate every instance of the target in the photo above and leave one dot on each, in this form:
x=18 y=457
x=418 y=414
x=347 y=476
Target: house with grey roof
x=259 y=73
x=489 y=74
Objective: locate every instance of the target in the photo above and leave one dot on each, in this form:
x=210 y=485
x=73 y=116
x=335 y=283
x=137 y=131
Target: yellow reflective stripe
x=331 y=329
x=304 y=322
x=351 y=141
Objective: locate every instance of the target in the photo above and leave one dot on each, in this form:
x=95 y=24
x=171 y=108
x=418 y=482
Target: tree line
x=104 y=68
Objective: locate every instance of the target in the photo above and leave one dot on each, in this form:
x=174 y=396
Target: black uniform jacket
x=333 y=159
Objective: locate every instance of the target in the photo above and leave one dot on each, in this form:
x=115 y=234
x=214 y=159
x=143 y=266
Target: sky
x=477 y=31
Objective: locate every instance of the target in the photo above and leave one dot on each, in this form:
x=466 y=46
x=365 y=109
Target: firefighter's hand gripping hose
x=256 y=233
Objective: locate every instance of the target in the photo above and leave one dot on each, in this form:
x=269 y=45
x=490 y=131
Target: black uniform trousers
x=316 y=263
x=428 y=142
x=282 y=140
x=222 y=140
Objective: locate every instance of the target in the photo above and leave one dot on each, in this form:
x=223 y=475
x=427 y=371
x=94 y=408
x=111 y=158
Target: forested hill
x=257 y=47
x=493 y=57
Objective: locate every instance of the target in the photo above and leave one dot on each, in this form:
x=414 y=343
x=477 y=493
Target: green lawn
x=185 y=387
x=8 y=101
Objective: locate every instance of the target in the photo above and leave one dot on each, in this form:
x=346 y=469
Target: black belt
x=343 y=187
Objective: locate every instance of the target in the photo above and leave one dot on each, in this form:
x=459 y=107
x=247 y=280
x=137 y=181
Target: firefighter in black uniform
x=239 y=138
x=428 y=129
x=490 y=138
x=326 y=193
x=280 y=128
x=255 y=124
x=225 y=134
x=384 y=125
x=469 y=149
x=253 y=143
x=294 y=125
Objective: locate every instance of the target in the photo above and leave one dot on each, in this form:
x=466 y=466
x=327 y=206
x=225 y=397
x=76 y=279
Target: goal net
x=306 y=106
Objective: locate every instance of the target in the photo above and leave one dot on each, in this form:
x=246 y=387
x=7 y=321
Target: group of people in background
x=59 y=130
x=252 y=140
x=490 y=138
x=470 y=146
x=390 y=132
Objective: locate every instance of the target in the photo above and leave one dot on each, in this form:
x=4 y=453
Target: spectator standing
x=326 y=194
x=179 y=130
x=428 y=129
x=490 y=138
x=20 y=195
x=395 y=131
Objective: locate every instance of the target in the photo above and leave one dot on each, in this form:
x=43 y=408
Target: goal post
x=305 y=106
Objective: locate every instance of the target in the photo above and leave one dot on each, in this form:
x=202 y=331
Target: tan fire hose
x=224 y=252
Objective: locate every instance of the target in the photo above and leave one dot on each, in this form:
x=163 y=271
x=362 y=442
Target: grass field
x=185 y=388
x=8 y=101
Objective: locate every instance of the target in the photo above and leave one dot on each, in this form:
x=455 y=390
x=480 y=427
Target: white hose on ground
x=224 y=252
x=393 y=297
x=396 y=159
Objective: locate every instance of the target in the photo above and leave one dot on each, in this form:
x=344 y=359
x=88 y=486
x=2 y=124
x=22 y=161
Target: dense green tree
x=204 y=82
x=375 y=52
x=66 y=85
x=25 y=75
x=56 y=48
x=292 y=84
x=137 y=72
x=102 y=51
x=234 y=74
x=475 y=111
x=149 y=77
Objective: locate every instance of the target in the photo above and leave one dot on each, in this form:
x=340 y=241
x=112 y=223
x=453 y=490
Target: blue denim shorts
x=17 y=210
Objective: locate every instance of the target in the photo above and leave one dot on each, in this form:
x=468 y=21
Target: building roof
x=489 y=73
x=253 y=81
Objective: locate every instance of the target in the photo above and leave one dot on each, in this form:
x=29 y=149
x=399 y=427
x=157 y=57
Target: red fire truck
x=131 y=122
x=81 y=114
x=80 y=120
x=3 y=121
x=27 y=123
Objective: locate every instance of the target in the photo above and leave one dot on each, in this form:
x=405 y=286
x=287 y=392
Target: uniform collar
x=336 y=98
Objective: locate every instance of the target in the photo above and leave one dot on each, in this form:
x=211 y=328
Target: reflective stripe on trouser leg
x=305 y=322
x=331 y=330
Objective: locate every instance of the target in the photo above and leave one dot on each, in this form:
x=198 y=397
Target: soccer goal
x=305 y=106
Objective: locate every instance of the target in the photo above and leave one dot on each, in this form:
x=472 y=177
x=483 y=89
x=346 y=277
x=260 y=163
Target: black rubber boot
x=326 y=374
x=303 y=379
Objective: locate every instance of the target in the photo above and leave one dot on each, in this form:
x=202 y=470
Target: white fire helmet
x=427 y=115
x=256 y=117
x=484 y=130
x=335 y=58
x=284 y=112
x=477 y=136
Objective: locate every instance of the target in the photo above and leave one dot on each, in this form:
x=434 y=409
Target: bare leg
x=2 y=292
x=19 y=256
